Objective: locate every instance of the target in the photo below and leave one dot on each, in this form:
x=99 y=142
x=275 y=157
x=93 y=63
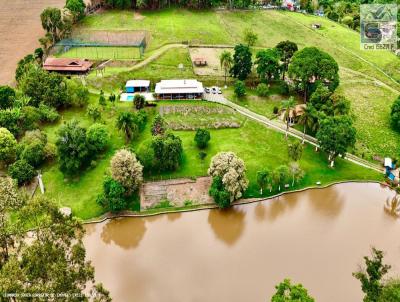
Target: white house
x=179 y=89
x=133 y=86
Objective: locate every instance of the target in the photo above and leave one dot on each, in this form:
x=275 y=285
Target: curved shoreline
x=109 y=216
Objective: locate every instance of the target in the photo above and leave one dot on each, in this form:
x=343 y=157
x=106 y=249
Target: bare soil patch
x=211 y=55
x=176 y=191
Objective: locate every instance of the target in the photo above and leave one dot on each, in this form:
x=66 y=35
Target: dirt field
x=177 y=191
x=212 y=57
x=20 y=30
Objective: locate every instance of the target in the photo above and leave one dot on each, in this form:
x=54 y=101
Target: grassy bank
x=269 y=151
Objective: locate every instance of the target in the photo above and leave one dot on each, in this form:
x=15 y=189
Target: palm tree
x=307 y=120
x=126 y=123
x=288 y=105
x=226 y=61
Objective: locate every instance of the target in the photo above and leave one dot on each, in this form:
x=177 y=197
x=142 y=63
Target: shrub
x=262 y=90
x=158 y=126
x=202 y=137
x=167 y=152
x=219 y=193
x=127 y=170
x=140 y=119
x=139 y=101
x=8 y=145
x=7 y=95
x=93 y=112
x=78 y=94
x=33 y=153
x=31 y=117
x=113 y=197
x=48 y=114
x=50 y=151
x=395 y=114
x=21 y=171
x=275 y=110
x=239 y=89
x=145 y=154
x=97 y=137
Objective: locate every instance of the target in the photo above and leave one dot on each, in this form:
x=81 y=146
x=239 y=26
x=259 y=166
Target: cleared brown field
x=20 y=30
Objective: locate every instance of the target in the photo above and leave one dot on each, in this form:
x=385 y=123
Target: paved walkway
x=281 y=127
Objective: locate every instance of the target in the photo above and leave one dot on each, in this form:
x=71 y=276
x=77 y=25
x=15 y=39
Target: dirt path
x=20 y=29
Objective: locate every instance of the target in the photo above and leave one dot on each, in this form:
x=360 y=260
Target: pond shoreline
x=156 y=212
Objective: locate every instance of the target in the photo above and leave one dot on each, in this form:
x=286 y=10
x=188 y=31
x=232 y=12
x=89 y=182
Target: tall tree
x=72 y=147
x=8 y=145
x=286 y=50
x=371 y=276
x=288 y=106
x=288 y=292
x=52 y=22
x=53 y=259
x=267 y=62
x=308 y=119
x=263 y=178
x=311 y=66
x=241 y=62
x=232 y=171
x=295 y=150
x=226 y=61
x=335 y=135
x=126 y=123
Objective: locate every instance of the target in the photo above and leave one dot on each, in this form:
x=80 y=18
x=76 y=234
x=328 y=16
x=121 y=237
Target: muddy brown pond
x=317 y=238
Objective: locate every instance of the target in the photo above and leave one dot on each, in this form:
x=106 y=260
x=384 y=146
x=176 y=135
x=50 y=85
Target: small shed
x=133 y=86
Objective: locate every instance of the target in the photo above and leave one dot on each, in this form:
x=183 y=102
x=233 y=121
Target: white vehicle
x=214 y=90
x=219 y=90
x=207 y=90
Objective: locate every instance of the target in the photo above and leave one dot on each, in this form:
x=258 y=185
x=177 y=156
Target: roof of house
x=65 y=64
x=137 y=83
x=179 y=86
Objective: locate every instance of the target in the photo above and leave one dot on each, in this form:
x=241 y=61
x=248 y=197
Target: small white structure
x=133 y=86
x=388 y=163
x=179 y=89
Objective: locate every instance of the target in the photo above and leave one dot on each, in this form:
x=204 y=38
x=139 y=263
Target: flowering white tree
x=127 y=170
x=232 y=170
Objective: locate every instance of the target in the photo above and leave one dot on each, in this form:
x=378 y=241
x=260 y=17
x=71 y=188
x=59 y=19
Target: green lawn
x=261 y=105
x=371 y=102
x=226 y=27
x=102 y=53
x=269 y=151
x=165 y=67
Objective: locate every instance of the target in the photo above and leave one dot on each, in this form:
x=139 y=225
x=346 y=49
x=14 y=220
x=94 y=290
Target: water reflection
x=278 y=207
x=227 y=225
x=174 y=216
x=236 y=258
x=328 y=204
x=392 y=206
x=260 y=211
x=126 y=233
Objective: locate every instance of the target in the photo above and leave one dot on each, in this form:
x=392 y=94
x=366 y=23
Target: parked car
x=219 y=90
x=214 y=90
x=207 y=90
